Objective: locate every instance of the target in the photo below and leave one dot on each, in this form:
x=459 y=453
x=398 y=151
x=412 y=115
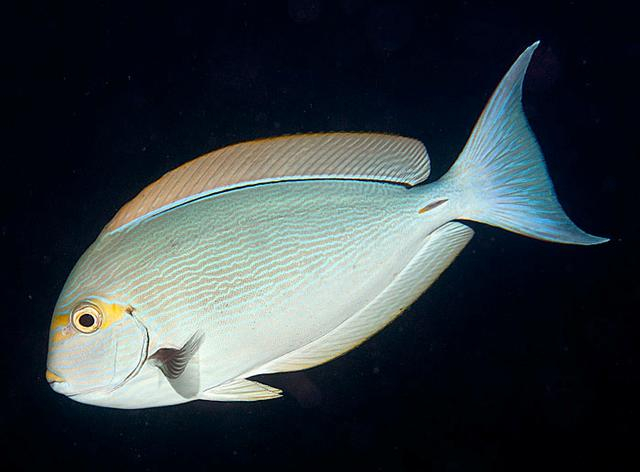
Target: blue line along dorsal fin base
x=353 y=156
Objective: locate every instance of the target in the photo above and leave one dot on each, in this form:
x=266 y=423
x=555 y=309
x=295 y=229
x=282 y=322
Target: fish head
x=96 y=345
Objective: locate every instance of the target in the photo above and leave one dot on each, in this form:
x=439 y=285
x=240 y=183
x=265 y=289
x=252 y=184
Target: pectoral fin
x=241 y=390
x=181 y=366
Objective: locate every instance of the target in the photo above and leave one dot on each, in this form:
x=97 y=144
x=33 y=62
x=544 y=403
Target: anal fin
x=241 y=390
x=438 y=251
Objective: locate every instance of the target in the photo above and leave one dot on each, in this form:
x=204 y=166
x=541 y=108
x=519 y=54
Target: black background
x=522 y=356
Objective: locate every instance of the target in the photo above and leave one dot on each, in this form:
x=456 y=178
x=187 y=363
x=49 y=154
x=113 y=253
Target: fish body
x=269 y=279
x=212 y=276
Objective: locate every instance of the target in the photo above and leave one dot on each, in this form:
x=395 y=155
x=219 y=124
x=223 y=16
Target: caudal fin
x=501 y=174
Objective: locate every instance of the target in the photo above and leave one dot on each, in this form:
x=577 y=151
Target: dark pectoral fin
x=180 y=366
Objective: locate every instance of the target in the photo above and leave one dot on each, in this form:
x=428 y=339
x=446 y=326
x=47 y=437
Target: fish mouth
x=60 y=385
x=65 y=389
x=52 y=377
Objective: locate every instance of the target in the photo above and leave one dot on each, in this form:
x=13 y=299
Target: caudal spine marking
x=432 y=205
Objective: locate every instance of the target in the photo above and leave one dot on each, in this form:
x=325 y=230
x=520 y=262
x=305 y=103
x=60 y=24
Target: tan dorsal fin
x=370 y=156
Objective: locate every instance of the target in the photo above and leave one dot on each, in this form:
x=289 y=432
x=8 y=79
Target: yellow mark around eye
x=111 y=312
x=59 y=321
x=64 y=333
x=60 y=324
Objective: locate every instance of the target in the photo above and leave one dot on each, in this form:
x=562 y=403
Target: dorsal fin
x=370 y=156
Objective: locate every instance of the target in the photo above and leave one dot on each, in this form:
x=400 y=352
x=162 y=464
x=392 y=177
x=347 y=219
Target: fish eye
x=86 y=318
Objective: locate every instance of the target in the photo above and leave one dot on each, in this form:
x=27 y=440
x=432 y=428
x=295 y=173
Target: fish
x=281 y=254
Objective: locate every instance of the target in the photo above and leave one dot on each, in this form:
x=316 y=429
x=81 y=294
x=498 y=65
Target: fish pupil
x=86 y=320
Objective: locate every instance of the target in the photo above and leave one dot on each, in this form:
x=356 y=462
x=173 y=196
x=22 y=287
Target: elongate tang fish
x=281 y=254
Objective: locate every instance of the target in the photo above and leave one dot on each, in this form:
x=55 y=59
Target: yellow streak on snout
x=59 y=321
x=63 y=327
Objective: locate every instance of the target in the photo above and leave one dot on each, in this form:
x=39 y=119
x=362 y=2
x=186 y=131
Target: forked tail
x=501 y=175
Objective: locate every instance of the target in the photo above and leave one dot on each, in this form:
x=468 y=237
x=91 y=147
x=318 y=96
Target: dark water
x=523 y=355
